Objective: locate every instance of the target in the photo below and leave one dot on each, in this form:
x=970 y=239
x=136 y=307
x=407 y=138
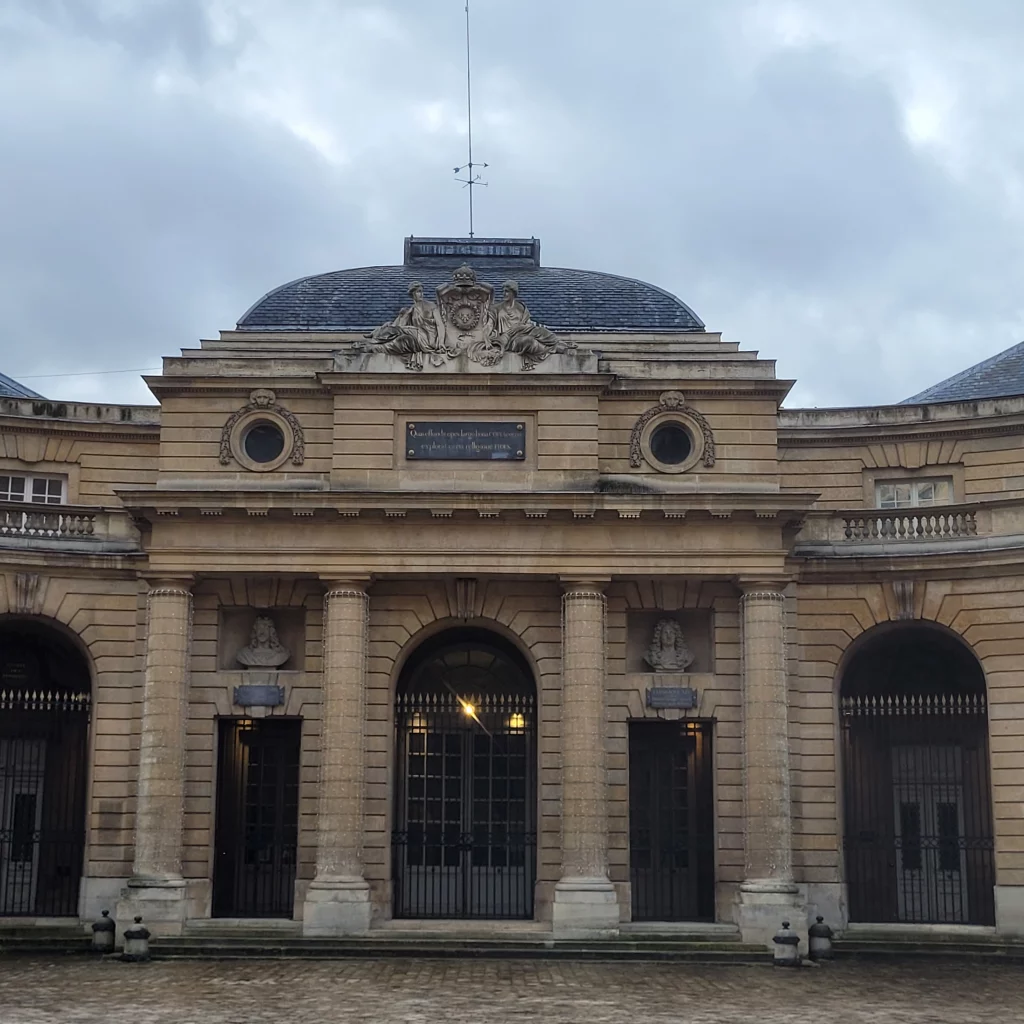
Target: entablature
x=788 y=508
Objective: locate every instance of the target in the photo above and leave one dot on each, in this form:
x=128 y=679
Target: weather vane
x=472 y=179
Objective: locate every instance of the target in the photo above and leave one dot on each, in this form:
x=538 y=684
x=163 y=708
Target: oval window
x=671 y=444
x=263 y=442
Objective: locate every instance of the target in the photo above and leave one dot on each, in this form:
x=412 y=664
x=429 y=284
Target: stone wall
x=211 y=690
x=102 y=615
x=986 y=614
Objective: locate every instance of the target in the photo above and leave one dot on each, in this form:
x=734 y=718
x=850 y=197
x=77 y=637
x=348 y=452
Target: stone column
x=585 y=904
x=767 y=895
x=156 y=889
x=338 y=898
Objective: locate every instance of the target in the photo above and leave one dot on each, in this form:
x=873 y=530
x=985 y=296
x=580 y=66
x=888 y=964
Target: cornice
x=232 y=386
x=1006 y=557
x=696 y=389
x=795 y=437
x=80 y=429
x=784 y=511
x=467 y=383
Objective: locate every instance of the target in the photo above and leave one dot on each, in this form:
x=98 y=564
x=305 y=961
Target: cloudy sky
x=838 y=185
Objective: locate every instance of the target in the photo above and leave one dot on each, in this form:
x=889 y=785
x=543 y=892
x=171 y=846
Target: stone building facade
x=413 y=608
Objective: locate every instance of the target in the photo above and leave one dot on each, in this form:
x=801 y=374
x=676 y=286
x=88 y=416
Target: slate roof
x=564 y=300
x=1000 y=376
x=10 y=388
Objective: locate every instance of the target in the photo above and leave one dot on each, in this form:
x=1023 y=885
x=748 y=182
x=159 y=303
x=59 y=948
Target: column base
x=585 y=908
x=336 y=906
x=764 y=905
x=160 y=902
x=1010 y=910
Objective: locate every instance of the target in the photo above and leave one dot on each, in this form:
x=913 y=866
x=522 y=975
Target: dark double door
x=918 y=843
x=671 y=821
x=465 y=843
x=43 y=759
x=257 y=818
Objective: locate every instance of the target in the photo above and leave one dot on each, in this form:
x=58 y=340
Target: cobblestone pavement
x=79 y=991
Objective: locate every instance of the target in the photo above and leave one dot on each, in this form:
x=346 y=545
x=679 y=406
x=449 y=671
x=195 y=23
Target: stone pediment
x=465 y=331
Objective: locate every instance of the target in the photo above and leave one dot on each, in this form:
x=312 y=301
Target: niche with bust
x=261 y=639
x=677 y=642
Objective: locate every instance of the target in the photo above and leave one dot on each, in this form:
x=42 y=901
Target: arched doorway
x=464 y=843
x=44 y=729
x=918 y=841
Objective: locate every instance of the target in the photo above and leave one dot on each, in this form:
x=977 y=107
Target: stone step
x=271 y=946
x=953 y=946
x=612 y=949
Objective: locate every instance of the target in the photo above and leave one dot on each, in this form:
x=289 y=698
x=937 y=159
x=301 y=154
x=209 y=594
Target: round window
x=263 y=441
x=671 y=444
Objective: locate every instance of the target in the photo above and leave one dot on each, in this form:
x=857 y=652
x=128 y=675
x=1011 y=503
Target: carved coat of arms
x=465 y=320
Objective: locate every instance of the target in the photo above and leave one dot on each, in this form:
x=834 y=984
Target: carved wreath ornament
x=265 y=401
x=672 y=401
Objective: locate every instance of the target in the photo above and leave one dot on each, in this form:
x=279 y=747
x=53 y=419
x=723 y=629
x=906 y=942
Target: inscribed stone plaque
x=259 y=695
x=682 y=697
x=477 y=440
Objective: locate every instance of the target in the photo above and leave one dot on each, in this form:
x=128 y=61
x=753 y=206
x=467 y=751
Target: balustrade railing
x=917 y=525
x=22 y=522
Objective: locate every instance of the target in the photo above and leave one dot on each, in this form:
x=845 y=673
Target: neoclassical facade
x=473 y=589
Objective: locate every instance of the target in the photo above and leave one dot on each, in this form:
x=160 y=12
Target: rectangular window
x=949 y=837
x=913 y=493
x=40 y=490
x=910 y=835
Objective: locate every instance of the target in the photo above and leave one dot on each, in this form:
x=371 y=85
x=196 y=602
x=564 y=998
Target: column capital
x=584 y=585
x=761 y=589
x=169 y=583
x=346 y=586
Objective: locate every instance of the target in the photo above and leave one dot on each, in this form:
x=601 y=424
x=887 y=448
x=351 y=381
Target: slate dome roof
x=564 y=300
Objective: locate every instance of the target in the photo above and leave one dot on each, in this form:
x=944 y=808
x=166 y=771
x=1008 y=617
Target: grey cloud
x=771 y=184
x=145 y=31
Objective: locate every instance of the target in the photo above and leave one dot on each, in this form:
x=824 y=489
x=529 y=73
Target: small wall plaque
x=479 y=440
x=259 y=695
x=681 y=697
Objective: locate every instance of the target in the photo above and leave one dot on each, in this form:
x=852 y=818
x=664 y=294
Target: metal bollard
x=819 y=940
x=103 y=934
x=787 y=947
x=136 y=943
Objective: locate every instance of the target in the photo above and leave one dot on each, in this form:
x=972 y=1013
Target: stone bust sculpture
x=668 y=651
x=264 y=649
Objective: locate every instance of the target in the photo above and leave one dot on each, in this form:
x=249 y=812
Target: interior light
x=517 y=721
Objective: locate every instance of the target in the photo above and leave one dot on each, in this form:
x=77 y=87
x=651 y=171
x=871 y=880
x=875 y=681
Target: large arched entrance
x=464 y=843
x=918 y=841
x=44 y=728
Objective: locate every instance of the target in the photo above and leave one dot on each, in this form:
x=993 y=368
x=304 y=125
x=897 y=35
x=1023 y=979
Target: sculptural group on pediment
x=464 y=320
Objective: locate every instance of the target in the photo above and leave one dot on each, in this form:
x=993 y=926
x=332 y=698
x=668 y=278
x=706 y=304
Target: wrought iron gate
x=671 y=821
x=918 y=842
x=465 y=842
x=257 y=818
x=43 y=745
